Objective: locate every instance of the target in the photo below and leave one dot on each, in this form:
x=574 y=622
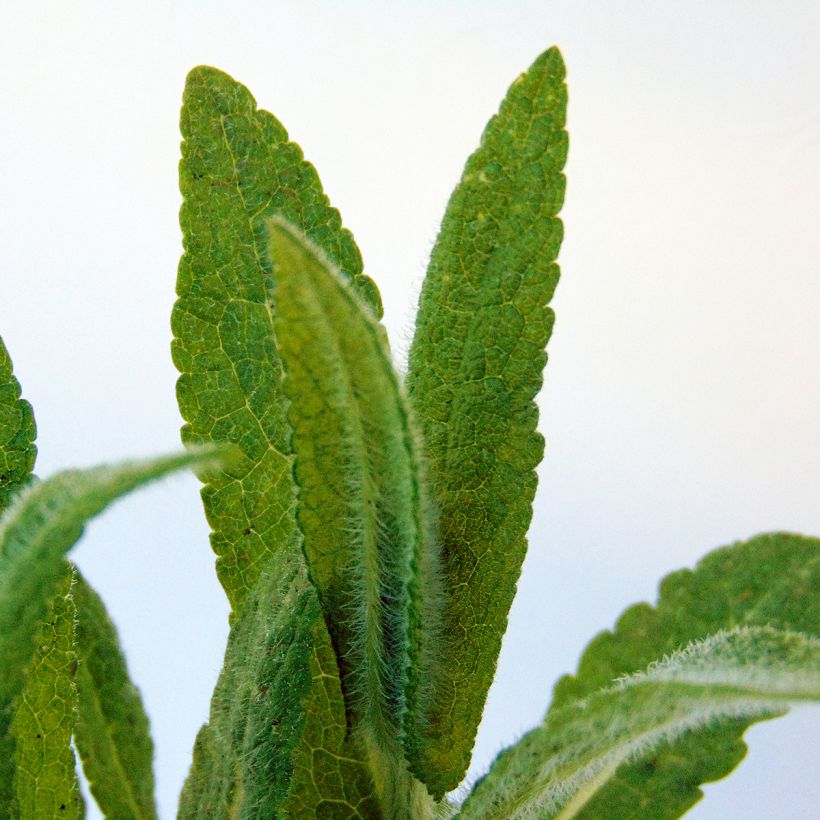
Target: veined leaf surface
x=276 y=742
x=112 y=734
x=748 y=674
x=17 y=456
x=363 y=505
x=474 y=369
x=237 y=167
x=17 y=433
x=45 y=778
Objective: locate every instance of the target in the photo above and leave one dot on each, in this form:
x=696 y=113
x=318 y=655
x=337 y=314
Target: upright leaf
x=112 y=734
x=17 y=433
x=748 y=674
x=17 y=455
x=475 y=367
x=363 y=505
x=45 y=779
x=276 y=742
x=237 y=167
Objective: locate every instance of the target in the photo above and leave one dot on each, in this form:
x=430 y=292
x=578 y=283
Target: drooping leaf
x=363 y=505
x=42 y=523
x=748 y=674
x=237 y=167
x=17 y=433
x=112 y=734
x=17 y=456
x=474 y=369
x=276 y=742
x=772 y=579
x=45 y=778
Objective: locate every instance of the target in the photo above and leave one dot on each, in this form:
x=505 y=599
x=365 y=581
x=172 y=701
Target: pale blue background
x=681 y=400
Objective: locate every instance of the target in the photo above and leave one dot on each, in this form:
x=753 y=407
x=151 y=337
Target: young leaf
x=363 y=506
x=238 y=166
x=111 y=735
x=748 y=674
x=276 y=743
x=474 y=369
x=45 y=779
x=17 y=433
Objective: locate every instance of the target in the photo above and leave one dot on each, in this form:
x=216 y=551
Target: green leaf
x=237 y=167
x=17 y=433
x=276 y=742
x=41 y=525
x=45 y=779
x=363 y=505
x=17 y=456
x=112 y=734
x=748 y=674
x=772 y=579
x=474 y=369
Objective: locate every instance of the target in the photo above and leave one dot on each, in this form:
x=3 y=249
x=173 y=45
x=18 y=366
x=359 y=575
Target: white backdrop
x=682 y=395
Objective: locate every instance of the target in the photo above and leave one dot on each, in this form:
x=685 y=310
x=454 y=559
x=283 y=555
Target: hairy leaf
x=748 y=674
x=112 y=733
x=276 y=742
x=41 y=525
x=237 y=167
x=771 y=579
x=474 y=369
x=363 y=505
x=45 y=779
x=17 y=433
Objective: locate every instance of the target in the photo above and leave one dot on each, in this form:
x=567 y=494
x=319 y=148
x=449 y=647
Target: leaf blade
x=474 y=369
x=237 y=166
x=771 y=580
x=40 y=526
x=45 y=779
x=279 y=672
x=112 y=732
x=363 y=505
x=17 y=433
x=749 y=674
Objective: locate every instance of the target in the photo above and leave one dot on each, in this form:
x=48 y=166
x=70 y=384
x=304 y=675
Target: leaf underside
x=768 y=582
x=738 y=677
x=475 y=367
x=237 y=168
